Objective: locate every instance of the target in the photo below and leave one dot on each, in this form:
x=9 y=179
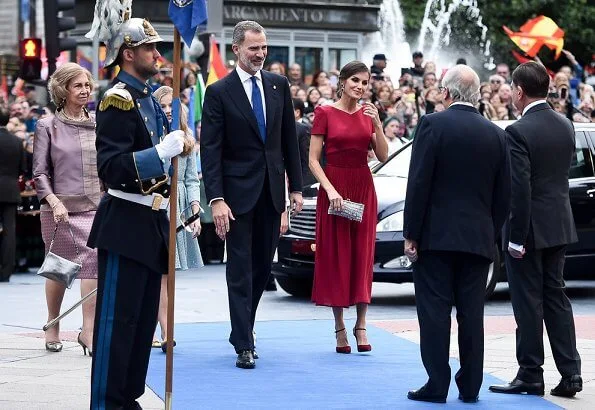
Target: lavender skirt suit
x=65 y=164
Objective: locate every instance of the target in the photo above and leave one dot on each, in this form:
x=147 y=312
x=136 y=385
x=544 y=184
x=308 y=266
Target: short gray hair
x=239 y=31
x=60 y=80
x=462 y=84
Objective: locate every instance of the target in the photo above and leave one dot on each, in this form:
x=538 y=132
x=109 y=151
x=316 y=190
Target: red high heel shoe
x=342 y=349
x=361 y=348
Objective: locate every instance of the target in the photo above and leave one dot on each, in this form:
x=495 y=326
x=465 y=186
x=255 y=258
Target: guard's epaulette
x=117 y=96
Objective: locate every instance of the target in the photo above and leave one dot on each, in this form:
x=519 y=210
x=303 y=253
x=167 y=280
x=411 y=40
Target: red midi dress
x=344 y=254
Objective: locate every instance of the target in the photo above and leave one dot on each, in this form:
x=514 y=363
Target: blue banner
x=25 y=11
x=187 y=15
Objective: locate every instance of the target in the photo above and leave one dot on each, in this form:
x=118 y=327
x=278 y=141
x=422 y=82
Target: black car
x=294 y=267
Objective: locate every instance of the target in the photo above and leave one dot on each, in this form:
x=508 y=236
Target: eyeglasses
x=442 y=89
x=495 y=81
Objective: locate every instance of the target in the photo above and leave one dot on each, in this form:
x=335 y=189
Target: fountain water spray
x=436 y=26
x=390 y=40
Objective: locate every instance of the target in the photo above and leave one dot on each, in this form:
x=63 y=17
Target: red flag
x=536 y=33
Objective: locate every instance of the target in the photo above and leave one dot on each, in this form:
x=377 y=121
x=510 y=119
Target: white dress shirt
x=247 y=83
x=468 y=104
x=533 y=104
x=513 y=245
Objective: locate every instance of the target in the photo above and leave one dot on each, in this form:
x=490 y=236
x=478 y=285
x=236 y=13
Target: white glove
x=171 y=145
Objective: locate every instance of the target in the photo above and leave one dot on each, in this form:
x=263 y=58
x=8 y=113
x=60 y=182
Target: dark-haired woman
x=345 y=248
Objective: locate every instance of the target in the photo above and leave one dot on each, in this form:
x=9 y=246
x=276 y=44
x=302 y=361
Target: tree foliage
x=575 y=17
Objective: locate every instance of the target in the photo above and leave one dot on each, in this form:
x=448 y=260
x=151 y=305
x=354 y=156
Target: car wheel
x=296 y=287
x=493 y=273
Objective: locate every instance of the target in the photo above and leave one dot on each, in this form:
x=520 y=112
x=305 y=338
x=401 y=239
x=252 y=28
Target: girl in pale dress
x=187 y=250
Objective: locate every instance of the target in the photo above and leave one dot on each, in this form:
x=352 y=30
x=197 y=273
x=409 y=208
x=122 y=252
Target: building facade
x=318 y=35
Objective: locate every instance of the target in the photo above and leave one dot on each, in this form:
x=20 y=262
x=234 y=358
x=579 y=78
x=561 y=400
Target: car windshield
x=398 y=165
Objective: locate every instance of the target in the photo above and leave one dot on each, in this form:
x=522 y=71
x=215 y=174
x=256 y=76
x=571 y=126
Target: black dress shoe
x=468 y=399
x=423 y=395
x=254 y=354
x=518 y=386
x=568 y=386
x=245 y=360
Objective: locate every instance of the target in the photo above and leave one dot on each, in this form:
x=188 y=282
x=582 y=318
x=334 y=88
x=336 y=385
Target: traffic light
x=30 y=59
x=55 y=26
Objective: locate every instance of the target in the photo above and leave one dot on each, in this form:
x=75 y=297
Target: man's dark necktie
x=258 y=109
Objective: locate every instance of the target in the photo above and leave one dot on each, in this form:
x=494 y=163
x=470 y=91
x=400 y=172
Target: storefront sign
x=291 y=15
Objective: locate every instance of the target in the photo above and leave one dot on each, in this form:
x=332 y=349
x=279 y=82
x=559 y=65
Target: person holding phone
x=345 y=248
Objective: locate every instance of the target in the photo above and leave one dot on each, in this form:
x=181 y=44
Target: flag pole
x=173 y=215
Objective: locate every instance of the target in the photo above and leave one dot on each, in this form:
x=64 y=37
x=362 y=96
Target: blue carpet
x=299 y=369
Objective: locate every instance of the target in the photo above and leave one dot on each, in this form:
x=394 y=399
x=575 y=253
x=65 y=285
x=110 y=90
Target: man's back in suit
x=461 y=184
x=12 y=164
x=536 y=234
x=542 y=143
x=457 y=200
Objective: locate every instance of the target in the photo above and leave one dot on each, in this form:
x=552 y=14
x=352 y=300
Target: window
x=338 y=57
x=397 y=166
x=582 y=161
x=310 y=59
x=278 y=54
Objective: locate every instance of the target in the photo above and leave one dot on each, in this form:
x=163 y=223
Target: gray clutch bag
x=60 y=269
x=353 y=211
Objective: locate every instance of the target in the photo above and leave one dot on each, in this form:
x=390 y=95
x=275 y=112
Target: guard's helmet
x=132 y=33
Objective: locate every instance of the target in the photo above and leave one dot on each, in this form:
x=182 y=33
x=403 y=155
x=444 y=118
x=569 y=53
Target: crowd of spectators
x=401 y=101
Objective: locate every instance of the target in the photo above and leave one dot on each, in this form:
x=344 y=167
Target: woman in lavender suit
x=65 y=173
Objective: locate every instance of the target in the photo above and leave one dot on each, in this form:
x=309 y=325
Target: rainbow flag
x=217 y=68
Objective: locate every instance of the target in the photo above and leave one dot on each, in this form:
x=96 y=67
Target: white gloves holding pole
x=170 y=146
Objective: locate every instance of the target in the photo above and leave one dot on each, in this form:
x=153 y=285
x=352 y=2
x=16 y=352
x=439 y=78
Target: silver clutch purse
x=60 y=269
x=353 y=211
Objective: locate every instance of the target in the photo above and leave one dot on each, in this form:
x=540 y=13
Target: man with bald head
x=458 y=195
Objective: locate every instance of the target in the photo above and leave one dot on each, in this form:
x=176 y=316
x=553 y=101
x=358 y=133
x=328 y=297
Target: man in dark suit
x=536 y=234
x=12 y=164
x=248 y=141
x=303 y=131
x=458 y=195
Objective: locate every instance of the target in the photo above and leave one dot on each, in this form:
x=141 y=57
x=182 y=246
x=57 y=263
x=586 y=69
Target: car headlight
x=392 y=223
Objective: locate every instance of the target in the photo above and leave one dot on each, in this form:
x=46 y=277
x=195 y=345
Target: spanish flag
x=217 y=69
x=536 y=33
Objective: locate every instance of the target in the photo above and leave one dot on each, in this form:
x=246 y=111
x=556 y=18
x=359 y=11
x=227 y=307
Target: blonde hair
x=60 y=80
x=189 y=139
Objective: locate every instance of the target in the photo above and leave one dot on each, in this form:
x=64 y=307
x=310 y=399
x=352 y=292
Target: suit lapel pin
x=274 y=87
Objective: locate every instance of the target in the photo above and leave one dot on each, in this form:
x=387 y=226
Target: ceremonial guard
x=130 y=230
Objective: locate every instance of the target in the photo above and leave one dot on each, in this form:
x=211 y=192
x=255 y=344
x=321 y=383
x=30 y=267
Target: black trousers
x=443 y=279
x=125 y=320
x=251 y=243
x=536 y=286
x=8 y=217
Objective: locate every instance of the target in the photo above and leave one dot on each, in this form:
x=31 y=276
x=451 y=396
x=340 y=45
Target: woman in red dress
x=344 y=248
